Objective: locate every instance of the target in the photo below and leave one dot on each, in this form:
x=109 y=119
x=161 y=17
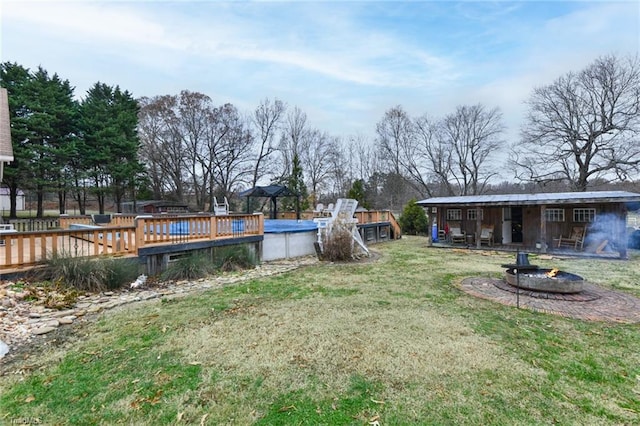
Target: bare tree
x=395 y=132
x=161 y=149
x=473 y=135
x=340 y=173
x=316 y=157
x=232 y=158
x=266 y=120
x=366 y=159
x=194 y=147
x=583 y=127
x=195 y=115
x=293 y=134
x=427 y=159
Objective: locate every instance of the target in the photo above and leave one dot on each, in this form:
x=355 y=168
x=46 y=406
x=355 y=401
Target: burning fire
x=552 y=273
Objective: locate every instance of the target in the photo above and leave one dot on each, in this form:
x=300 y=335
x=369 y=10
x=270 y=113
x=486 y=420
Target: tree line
x=581 y=132
x=75 y=149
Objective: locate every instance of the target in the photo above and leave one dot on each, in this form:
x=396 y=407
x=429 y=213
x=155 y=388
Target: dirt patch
x=34 y=354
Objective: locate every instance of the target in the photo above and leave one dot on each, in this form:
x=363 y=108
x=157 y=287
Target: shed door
x=506 y=225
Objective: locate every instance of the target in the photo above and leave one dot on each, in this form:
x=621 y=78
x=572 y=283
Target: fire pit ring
x=539 y=280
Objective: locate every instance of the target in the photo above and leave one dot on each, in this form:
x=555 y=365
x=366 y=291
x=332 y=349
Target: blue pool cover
x=281 y=226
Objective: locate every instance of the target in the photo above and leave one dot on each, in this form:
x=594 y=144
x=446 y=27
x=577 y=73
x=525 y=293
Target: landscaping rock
x=42 y=330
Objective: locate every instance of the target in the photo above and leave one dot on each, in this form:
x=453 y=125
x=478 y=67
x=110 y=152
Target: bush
x=121 y=272
x=234 y=258
x=188 y=267
x=89 y=274
x=414 y=220
x=338 y=245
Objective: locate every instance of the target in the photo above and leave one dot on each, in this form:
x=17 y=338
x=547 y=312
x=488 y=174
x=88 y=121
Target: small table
x=471 y=238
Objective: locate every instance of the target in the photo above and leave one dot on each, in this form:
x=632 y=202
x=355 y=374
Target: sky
x=344 y=63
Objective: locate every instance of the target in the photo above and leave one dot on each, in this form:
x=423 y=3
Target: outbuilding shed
x=537 y=221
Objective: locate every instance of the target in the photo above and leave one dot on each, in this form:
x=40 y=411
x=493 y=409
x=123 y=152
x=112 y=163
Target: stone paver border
x=601 y=305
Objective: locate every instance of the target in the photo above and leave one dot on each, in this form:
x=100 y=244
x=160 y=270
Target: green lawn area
x=393 y=341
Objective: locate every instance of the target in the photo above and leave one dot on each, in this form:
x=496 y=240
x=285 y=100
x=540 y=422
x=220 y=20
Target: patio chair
x=575 y=240
x=486 y=235
x=329 y=210
x=457 y=235
x=220 y=209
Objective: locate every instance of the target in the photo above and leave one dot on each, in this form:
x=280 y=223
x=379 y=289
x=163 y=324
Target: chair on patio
x=220 y=209
x=329 y=210
x=457 y=235
x=575 y=240
x=486 y=235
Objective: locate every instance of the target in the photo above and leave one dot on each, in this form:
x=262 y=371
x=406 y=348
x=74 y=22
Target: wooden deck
x=126 y=235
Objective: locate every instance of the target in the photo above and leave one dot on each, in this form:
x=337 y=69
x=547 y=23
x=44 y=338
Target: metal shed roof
x=592 y=197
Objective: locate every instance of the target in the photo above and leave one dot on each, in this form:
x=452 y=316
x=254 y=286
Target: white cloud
x=345 y=62
x=90 y=22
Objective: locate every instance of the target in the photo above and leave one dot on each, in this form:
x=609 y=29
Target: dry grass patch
x=318 y=344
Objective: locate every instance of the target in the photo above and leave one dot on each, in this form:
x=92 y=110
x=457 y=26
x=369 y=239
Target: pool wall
x=288 y=244
x=284 y=239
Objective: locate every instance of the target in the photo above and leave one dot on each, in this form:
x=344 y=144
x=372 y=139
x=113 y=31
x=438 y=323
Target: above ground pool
x=281 y=226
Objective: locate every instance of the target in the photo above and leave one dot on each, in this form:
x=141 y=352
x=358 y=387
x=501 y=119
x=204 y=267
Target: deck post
x=543 y=229
x=140 y=222
x=478 y=227
x=213 y=227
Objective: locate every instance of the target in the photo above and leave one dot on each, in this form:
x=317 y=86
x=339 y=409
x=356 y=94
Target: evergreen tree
x=14 y=78
x=357 y=192
x=110 y=144
x=414 y=219
x=44 y=123
x=295 y=183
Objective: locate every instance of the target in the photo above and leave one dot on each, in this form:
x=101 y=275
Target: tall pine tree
x=295 y=183
x=44 y=123
x=110 y=142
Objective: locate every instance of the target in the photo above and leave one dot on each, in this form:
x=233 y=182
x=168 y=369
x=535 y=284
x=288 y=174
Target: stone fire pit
x=538 y=280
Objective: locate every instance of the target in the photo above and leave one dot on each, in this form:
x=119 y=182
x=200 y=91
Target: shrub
x=87 y=274
x=188 y=267
x=338 y=245
x=414 y=220
x=234 y=258
x=121 y=272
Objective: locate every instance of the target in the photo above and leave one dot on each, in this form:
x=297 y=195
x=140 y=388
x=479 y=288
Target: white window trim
x=557 y=215
x=454 y=214
x=472 y=216
x=584 y=214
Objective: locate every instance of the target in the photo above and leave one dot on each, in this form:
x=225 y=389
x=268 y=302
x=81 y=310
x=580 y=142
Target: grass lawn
x=393 y=341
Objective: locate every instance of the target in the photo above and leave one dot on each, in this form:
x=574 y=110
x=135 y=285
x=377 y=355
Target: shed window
x=584 y=215
x=471 y=214
x=554 y=215
x=454 y=214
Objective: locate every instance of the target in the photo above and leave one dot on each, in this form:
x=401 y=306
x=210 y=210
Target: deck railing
x=124 y=236
x=364 y=217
